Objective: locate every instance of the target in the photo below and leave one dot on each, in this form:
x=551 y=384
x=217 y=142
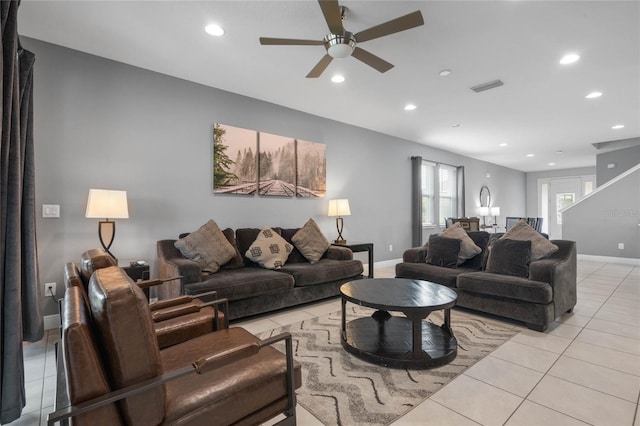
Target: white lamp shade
x=495 y=211
x=339 y=208
x=483 y=211
x=108 y=204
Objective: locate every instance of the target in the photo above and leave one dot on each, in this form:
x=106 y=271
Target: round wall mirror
x=485 y=196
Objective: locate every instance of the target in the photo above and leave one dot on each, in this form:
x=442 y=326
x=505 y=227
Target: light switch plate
x=51 y=210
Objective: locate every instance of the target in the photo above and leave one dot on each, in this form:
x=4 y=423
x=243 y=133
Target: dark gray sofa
x=548 y=292
x=251 y=289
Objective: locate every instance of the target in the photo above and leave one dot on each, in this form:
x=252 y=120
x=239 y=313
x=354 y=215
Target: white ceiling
x=541 y=109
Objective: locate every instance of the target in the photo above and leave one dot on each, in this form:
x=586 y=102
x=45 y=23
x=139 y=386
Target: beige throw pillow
x=207 y=246
x=311 y=241
x=468 y=248
x=540 y=246
x=269 y=250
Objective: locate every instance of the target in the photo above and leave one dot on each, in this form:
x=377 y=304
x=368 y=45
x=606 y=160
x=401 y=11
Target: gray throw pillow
x=510 y=257
x=207 y=246
x=468 y=248
x=443 y=251
x=311 y=241
x=540 y=246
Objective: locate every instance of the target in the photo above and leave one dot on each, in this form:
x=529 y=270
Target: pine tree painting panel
x=235 y=160
x=276 y=165
x=311 y=169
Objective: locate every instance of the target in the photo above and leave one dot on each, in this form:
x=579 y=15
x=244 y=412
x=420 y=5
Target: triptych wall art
x=251 y=162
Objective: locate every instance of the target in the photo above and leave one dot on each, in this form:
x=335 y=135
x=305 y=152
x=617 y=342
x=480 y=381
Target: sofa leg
x=537 y=327
x=570 y=310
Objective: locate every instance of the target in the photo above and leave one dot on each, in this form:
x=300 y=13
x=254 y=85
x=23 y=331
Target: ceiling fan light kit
x=340 y=43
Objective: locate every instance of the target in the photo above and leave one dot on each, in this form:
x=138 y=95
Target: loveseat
x=545 y=289
x=250 y=288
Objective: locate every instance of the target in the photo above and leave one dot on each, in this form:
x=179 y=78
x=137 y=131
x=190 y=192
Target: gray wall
x=103 y=124
x=532 y=185
x=623 y=159
x=605 y=218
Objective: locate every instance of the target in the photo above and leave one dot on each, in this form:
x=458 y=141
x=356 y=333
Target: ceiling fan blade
x=289 y=41
x=320 y=66
x=393 y=26
x=332 y=15
x=371 y=60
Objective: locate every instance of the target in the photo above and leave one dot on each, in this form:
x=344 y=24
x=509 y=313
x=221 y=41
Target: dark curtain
x=416 y=201
x=20 y=312
x=461 y=198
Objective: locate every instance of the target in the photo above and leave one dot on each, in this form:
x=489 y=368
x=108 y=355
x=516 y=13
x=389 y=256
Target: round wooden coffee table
x=395 y=341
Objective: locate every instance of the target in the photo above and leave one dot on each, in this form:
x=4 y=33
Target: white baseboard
x=387 y=263
x=607 y=259
x=51 y=322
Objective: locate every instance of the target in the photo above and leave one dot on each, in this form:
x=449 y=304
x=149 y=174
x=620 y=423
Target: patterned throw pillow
x=207 y=246
x=269 y=250
x=540 y=246
x=468 y=248
x=311 y=241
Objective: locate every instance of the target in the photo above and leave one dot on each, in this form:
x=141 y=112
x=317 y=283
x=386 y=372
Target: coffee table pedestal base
x=389 y=342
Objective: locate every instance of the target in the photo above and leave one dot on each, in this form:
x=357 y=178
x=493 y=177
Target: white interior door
x=562 y=192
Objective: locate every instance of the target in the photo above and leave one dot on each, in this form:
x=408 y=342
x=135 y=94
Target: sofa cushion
x=311 y=241
x=242 y=283
x=432 y=273
x=269 y=250
x=480 y=239
x=207 y=246
x=236 y=261
x=505 y=286
x=540 y=246
x=443 y=251
x=510 y=257
x=324 y=271
x=468 y=248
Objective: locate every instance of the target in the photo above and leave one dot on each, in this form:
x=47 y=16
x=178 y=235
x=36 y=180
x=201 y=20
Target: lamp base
x=106 y=234
x=340 y=241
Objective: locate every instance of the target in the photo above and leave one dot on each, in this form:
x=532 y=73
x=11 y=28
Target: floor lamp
x=107 y=204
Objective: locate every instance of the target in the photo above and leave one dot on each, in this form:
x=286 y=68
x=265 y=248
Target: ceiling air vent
x=486 y=86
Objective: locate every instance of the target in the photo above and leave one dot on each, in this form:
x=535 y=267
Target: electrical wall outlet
x=620 y=246
x=49 y=288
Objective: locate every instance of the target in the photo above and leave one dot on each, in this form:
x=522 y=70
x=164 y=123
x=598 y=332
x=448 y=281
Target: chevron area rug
x=340 y=389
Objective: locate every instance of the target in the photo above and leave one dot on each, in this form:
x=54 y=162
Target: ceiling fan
x=340 y=43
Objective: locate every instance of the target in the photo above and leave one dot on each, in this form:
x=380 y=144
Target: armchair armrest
x=210 y=363
x=415 y=255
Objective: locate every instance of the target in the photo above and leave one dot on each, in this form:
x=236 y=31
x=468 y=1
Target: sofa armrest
x=171 y=264
x=560 y=271
x=415 y=255
x=339 y=253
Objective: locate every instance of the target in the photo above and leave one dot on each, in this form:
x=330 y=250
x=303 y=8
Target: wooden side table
x=358 y=247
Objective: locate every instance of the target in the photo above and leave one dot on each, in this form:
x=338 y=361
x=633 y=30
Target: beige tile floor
x=584 y=371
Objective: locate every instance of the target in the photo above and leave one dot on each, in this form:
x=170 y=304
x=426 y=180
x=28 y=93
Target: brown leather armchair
x=225 y=377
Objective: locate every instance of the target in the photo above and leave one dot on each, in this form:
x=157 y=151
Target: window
x=439 y=193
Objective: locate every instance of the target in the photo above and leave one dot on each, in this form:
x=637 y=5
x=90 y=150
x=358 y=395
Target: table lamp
x=107 y=204
x=339 y=208
x=484 y=212
x=495 y=212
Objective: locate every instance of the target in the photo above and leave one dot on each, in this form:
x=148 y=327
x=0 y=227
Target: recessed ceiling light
x=445 y=73
x=410 y=107
x=552 y=164
x=503 y=144
x=456 y=125
x=617 y=126
x=559 y=152
x=593 y=95
x=531 y=155
x=337 y=78
x=214 y=30
x=569 y=58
